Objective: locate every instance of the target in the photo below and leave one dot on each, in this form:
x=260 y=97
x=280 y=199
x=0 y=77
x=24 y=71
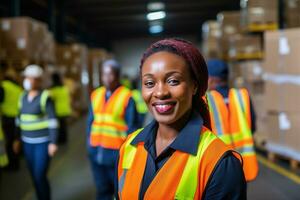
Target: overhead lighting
x=155 y=29
x=155 y=6
x=156 y=15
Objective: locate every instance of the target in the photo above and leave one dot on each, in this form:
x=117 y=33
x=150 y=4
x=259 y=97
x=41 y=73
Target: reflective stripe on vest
x=235 y=122
x=3 y=156
x=219 y=114
x=33 y=122
x=109 y=127
x=61 y=98
x=12 y=93
x=184 y=176
x=139 y=101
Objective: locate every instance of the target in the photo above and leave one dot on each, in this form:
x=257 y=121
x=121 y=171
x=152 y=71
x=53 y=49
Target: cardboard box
x=22 y=38
x=292 y=13
x=282 y=97
x=261 y=11
x=283 y=129
x=282 y=51
x=252 y=70
x=243 y=47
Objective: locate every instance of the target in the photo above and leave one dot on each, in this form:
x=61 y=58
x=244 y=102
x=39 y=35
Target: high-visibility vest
x=183 y=176
x=34 y=122
x=61 y=98
x=141 y=106
x=3 y=156
x=232 y=123
x=12 y=93
x=109 y=127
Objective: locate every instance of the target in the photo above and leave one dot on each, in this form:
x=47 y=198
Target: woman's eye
x=149 y=84
x=173 y=82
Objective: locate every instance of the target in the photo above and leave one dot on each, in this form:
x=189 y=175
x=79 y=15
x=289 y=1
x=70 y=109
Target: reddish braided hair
x=197 y=67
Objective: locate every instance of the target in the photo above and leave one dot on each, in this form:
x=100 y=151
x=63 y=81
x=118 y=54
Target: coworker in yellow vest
x=3 y=156
x=61 y=97
x=232 y=115
x=111 y=117
x=10 y=93
x=177 y=156
x=141 y=106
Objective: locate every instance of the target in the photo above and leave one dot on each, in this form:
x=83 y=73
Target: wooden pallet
x=273 y=157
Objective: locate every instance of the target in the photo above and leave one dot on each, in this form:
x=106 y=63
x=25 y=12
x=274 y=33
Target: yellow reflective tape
x=129 y=151
x=189 y=180
x=109 y=119
x=29 y=117
x=34 y=126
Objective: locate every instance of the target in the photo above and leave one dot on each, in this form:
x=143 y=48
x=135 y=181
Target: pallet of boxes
x=71 y=60
x=282 y=97
x=25 y=41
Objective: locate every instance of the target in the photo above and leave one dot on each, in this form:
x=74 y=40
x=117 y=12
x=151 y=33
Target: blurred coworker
x=3 y=156
x=111 y=117
x=10 y=93
x=61 y=98
x=38 y=126
x=141 y=106
x=232 y=115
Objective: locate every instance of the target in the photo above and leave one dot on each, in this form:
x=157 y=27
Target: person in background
x=61 y=97
x=177 y=156
x=38 y=126
x=232 y=115
x=111 y=117
x=10 y=93
x=3 y=156
x=141 y=106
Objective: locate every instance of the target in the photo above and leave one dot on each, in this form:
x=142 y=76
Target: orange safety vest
x=109 y=127
x=232 y=124
x=183 y=176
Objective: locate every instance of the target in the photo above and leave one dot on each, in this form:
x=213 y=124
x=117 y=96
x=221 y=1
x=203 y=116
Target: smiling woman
x=177 y=156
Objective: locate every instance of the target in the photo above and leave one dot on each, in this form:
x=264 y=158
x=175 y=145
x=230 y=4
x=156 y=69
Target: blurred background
x=259 y=39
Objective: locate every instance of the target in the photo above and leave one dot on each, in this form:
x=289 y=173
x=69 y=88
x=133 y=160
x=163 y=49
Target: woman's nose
x=161 y=91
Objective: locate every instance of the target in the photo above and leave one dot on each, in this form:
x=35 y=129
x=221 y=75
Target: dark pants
x=9 y=129
x=63 y=130
x=103 y=172
x=38 y=160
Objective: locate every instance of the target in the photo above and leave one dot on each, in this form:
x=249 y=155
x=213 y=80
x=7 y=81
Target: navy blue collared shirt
x=227 y=180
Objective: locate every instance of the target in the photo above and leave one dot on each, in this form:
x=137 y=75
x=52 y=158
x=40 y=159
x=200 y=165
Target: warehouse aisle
x=71 y=177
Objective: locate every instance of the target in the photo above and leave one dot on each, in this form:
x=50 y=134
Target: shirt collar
x=187 y=139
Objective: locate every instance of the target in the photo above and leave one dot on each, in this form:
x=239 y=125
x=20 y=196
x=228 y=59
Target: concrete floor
x=71 y=177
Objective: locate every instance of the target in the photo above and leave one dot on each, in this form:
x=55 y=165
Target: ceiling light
x=155 y=6
x=156 y=29
x=156 y=15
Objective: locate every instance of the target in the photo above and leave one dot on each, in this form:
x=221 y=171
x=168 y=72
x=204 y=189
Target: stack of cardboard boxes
x=281 y=91
x=211 y=34
x=259 y=15
x=23 y=38
x=71 y=60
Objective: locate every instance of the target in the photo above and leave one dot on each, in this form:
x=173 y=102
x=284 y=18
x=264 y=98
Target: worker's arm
x=253 y=117
x=131 y=116
x=52 y=120
x=227 y=182
x=90 y=119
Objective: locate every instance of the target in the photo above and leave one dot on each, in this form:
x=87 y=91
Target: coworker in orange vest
x=177 y=156
x=232 y=115
x=112 y=116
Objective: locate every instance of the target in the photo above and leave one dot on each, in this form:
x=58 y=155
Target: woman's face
x=167 y=86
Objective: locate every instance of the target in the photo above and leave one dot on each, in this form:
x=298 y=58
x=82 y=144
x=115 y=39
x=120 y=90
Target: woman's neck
x=167 y=133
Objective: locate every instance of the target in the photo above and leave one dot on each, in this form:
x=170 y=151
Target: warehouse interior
x=258 y=39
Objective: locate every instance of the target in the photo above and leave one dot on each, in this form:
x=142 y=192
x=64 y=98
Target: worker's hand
x=16 y=146
x=52 y=148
